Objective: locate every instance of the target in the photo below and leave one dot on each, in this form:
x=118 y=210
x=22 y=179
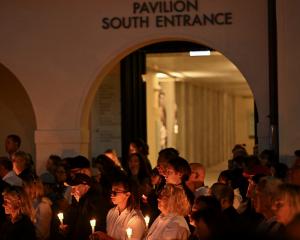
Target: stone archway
x=16 y=112
x=110 y=65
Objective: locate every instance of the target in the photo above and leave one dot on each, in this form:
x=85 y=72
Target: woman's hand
x=63 y=229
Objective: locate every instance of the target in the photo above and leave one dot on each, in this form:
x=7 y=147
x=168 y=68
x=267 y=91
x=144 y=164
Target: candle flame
x=93 y=222
x=147 y=220
x=129 y=232
x=60 y=216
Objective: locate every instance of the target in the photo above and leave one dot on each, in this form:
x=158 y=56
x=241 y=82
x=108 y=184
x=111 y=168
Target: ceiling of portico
x=214 y=71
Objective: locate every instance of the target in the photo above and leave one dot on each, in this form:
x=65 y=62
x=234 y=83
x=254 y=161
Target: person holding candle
x=89 y=203
x=171 y=224
x=125 y=220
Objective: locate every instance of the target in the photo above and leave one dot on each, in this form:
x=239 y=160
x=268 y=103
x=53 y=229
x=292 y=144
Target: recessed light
x=199 y=53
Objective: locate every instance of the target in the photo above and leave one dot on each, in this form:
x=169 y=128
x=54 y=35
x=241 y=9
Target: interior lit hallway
x=213 y=172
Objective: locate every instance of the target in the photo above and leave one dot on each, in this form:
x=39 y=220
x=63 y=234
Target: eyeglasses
x=115 y=193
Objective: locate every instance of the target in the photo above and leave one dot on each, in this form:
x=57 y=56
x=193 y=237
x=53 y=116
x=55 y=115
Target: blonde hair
x=177 y=200
x=291 y=193
x=21 y=201
x=35 y=189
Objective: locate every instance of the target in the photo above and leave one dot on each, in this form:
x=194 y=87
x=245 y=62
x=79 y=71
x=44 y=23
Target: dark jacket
x=23 y=229
x=93 y=205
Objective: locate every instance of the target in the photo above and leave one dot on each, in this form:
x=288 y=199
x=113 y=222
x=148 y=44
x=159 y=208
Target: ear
x=223 y=202
x=128 y=194
x=86 y=187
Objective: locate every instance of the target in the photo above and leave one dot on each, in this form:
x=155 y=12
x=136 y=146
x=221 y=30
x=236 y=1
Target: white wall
x=60 y=53
x=288 y=77
x=106 y=115
x=244 y=122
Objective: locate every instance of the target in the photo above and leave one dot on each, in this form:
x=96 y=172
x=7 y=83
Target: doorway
x=197 y=102
x=201 y=105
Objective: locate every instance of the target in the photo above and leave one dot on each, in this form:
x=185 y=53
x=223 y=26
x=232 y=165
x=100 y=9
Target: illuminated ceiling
x=214 y=71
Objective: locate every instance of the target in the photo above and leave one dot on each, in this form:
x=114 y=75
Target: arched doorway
x=201 y=105
x=126 y=101
x=16 y=112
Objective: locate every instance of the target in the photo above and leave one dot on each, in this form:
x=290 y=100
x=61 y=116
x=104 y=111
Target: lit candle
x=147 y=219
x=129 y=232
x=61 y=217
x=93 y=224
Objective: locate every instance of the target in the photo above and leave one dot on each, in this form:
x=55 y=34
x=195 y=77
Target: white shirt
x=12 y=179
x=117 y=223
x=43 y=216
x=168 y=227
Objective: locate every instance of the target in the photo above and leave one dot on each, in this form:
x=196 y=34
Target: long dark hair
x=143 y=171
x=127 y=184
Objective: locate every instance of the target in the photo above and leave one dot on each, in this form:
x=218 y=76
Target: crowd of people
x=106 y=198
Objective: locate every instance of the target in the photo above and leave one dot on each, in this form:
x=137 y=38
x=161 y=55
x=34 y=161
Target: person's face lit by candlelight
x=134 y=164
x=172 y=176
x=11 y=204
x=79 y=190
x=17 y=203
x=132 y=148
x=162 y=165
x=119 y=195
x=287 y=204
x=60 y=174
x=284 y=211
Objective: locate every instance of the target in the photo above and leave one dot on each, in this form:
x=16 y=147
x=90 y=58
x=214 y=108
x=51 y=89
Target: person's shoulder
x=45 y=204
x=136 y=215
x=112 y=211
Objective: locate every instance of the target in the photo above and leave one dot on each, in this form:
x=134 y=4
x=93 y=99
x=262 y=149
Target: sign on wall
x=165 y=14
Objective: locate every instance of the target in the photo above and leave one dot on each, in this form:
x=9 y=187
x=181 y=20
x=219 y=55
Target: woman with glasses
x=18 y=207
x=171 y=224
x=124 y=216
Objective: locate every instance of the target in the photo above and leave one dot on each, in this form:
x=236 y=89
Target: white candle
x=93 y=224
x=129 y=232
x=61 y=217
x=147 y=220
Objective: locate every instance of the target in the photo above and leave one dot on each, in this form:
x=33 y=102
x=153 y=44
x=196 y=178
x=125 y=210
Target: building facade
x=55 y=55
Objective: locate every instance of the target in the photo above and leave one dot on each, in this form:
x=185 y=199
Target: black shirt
x=23 y=229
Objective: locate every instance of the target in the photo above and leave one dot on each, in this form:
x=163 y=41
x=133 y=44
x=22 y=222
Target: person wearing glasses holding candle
x=19 y=224
x=124 y=216
x=171 y=224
